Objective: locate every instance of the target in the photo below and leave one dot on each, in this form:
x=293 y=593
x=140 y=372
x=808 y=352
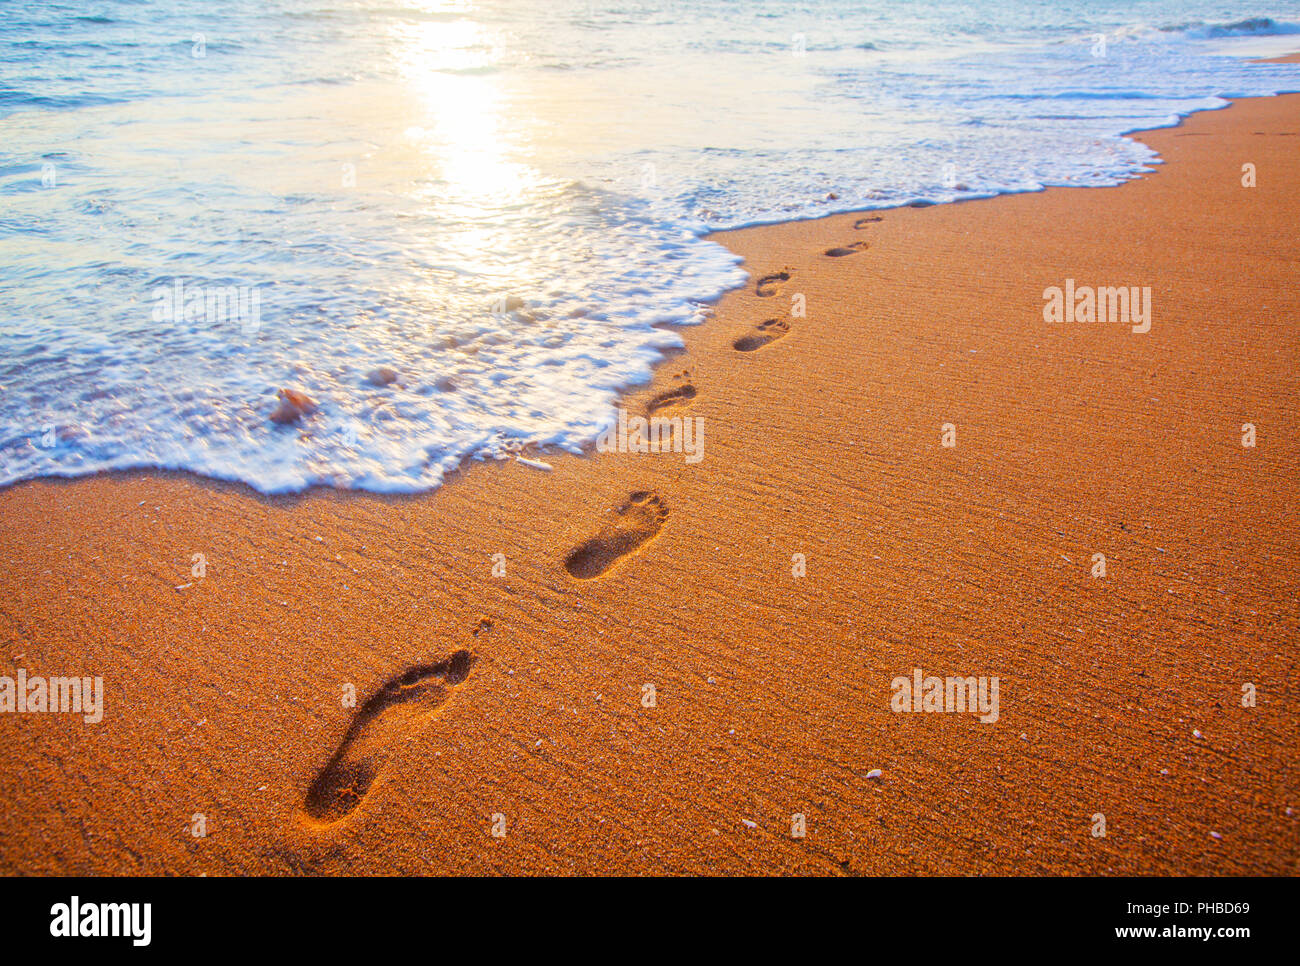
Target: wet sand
x=1120 y=696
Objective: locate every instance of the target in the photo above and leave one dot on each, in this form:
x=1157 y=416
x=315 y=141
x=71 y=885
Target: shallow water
x=503 y=202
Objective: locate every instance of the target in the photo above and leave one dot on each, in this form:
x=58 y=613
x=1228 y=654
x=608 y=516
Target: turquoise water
x=501 y=202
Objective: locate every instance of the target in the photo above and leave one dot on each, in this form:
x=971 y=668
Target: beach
x=623 y=663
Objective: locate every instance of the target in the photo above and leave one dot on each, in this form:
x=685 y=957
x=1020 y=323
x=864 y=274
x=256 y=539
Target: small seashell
x=874 y=773
x=748 y=824
x=293 y=406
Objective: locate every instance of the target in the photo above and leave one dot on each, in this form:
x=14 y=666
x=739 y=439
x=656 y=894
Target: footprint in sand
x=847 y=250
x=676 y=397
x=401 y=706
x=864 y=222
x=766 y=332
x=770 y=285
x=635 y=522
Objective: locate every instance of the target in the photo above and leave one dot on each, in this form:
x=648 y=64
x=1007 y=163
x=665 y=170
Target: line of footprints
x=768 y=332
x=411 y=699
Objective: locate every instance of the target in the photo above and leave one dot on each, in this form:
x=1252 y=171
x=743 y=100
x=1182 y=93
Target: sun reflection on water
x=468 y=134
x=462 y=112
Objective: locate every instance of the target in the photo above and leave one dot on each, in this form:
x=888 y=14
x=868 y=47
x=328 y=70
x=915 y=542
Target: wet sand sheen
x=1120 y=695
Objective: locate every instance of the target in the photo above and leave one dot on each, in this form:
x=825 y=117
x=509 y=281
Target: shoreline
x=589 y=448
x=772 y=691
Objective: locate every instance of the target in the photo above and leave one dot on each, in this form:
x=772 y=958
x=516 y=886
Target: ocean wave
x=1251 y=27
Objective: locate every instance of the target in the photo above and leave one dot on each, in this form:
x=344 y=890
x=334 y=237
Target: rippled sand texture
x=646 y=686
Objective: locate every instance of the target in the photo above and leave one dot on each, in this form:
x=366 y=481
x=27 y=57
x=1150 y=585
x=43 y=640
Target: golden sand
x=1120 y=696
